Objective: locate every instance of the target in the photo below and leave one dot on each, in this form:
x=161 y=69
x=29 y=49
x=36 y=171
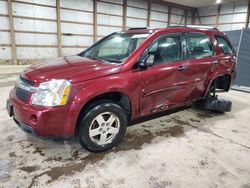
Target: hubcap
x=104 y=128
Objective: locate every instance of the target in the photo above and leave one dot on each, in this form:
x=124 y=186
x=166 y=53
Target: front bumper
x=24 y=127
x=40 y=121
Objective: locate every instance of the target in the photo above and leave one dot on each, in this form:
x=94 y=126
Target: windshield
x=116 y=47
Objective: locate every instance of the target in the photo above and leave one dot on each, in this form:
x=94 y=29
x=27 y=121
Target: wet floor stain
x=39 y=150
x=29 y=169
x=132 y=141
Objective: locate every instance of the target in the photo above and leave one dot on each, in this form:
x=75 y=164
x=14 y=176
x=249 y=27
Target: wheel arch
x=117 y=97
x=222 y=82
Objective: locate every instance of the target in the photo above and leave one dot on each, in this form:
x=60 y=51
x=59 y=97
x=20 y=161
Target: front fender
x=86 y=91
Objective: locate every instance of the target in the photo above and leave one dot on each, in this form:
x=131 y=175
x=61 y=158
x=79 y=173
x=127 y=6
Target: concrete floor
x=185 y=148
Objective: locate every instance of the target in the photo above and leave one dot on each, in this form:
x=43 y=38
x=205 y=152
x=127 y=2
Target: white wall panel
x=225 y=27
x=239 y=17
x=137 y=13
x=109 y=20
x=72 y=51
x=36 y=53
x=240 y=7
x=177 y=11
x=136 y=23
x=115 y=1
x=205 y=11
x=5 y=53
x=109 y=8
x=77 y=41
x=3 y=7
x=140 y=4
x=4 y=38
x=208 y=20
x=176 y=19
x=33 y=11
x=159 y=16
x=237 y=26
x=103 y=30
x=38 y=39
x=159 y=7
x=155 y=24
x=77 y=4
x=225 y=19
x=4 y=23
x=34 y=25
x=43 y=2
x=69 y=15
x=76 y=29
x=227 y=9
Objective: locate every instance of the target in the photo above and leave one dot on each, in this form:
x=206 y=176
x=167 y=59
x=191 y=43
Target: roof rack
x=137 y=28
x=195 y=26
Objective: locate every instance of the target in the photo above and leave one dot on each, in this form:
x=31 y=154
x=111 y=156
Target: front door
x=164 y=83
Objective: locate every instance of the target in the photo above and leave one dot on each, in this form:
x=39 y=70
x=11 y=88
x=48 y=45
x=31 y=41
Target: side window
x=199 y=46
x=224 y=44
x=166 y=48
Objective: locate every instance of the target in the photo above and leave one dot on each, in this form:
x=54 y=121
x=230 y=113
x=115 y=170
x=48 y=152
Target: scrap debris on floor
x=186 y=147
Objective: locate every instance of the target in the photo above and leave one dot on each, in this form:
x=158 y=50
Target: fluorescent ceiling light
x=218 y=1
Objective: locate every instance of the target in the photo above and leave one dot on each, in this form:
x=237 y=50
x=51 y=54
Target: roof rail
x=137 y=28
x=195 y=26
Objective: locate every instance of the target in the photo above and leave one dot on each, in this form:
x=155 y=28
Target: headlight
x=52 y=93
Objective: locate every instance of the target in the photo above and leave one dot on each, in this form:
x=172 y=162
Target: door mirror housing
x=149 y=61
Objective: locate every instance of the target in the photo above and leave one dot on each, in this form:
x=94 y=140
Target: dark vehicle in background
x=124 y=76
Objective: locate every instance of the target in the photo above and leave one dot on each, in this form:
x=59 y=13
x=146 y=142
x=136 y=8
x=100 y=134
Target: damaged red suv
x=124 y=76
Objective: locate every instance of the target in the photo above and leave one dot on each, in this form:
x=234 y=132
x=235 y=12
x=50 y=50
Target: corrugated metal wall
x=230 y=16
x=40 y=35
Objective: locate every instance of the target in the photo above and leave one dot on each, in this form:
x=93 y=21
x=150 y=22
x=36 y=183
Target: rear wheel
x=103 y=126
x=211 y=102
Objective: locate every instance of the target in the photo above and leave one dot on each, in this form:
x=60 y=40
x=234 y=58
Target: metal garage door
x=241 y=42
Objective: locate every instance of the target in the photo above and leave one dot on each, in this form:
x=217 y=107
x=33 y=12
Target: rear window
x=224 y=45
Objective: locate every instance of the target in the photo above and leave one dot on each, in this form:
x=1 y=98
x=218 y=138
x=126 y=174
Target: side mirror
x=147 y=61
x=150 y=60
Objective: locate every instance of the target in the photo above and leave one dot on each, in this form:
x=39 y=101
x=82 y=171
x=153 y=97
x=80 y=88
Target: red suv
x=124 y=76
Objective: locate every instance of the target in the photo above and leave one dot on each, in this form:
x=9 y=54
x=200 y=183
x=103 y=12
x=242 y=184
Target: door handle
x=215 y=62
x=182 y=68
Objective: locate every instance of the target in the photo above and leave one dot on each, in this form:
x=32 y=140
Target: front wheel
x=102 y=127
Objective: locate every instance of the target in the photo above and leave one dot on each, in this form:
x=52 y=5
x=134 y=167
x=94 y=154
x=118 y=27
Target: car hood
x=73 y=68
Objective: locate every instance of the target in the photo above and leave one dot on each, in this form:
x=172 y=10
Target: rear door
x=200 y=55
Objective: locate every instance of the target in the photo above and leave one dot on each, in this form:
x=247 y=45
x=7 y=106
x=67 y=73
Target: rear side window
x=199 y=46
x=224 y=44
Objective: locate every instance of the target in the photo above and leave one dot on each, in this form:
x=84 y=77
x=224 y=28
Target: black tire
x=92 y=112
